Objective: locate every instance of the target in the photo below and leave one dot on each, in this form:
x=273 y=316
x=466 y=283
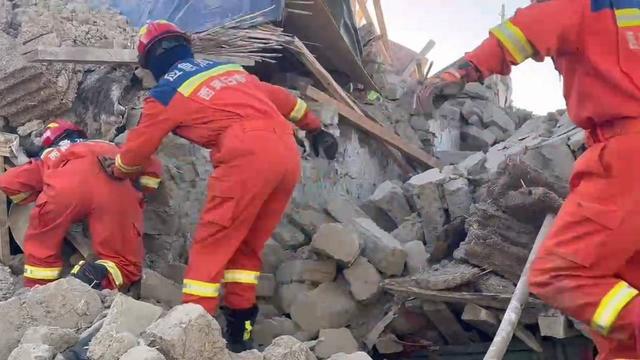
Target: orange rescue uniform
x=68 y=185
x=243 y=121
x=589 y=266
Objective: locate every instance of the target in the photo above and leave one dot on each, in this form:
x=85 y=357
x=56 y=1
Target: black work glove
x=108 y=163
x=325 y=141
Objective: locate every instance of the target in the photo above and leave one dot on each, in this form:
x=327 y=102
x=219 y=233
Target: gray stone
x=355 y=356
x=59 y=339
x=458 y=197
x=555 y=157
x=419 y=123
x=364 y=280
x=476 y=139
x=477 y=91
x=187 y=332
x=247 y=355
x=288 y=293
x=337 y=242
x=331 y=341
x=7 y=283
x=473 y=165
x=265 y=330
x=471 y=109
x=157 y=287
x=111 y=346
x=406 y=132
x=380 y=248
x=315 y=271
x=379 y=216
x=496 y=116
x=411 y=229
x=288 y=348
x=32 y=352
x=142 y=353
x=390 y=198
x=452 y=157
x=388 y=344
x=328 y=306
x=289 y=237
x=500 y=134
x=428 y=195
x=447 y=275
x=272 y=256
x=266 y=285
x=308 y=219
x=67 y=303
x=576 y=141
x=416 y=257
x=343 y=208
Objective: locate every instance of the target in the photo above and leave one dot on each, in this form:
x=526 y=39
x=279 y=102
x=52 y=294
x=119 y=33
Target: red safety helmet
x=56 y=129
x=154 y=31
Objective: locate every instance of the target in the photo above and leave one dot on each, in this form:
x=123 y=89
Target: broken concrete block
x=446 y=322
x=380 y=248
x=59 y=339
x=187 y=332
x=379 y=216
x=487 y=217
x=111 y=346
x=329 y=306
x=419 y=123
x=530 y=205
x=410 y=230
x=331 y=341
x=476 y=139
x=265 y=330
x=355 y=356
x=288 y=293
x=473 y=165
x=308 y=219
x=315 y=271
x=338 y=242
x=266 y=285
x=405 y=131
x=142 y=353
x=272 y=256
x=470 y=109
x=447 y=275
x=451 y=157
x=416 y=257
x=344 y=209
x=247 y=355
x=458 y=196
x=364 y=280
x=287 y=348
x=289 y=237
x=477 y=91
x=491 y=283
x=388 y=343
x=494 y=115
x=157 y=287
x=7 y=283
x=428 y=195
x=32 y=352
x=556 y=325
x=390 y=198
x=555 y=157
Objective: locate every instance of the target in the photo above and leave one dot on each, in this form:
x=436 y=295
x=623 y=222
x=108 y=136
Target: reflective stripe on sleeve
x=115 y=273
x=125 y=168
x=19 y=197
x=241 y=276
x=200 y=288
x=611 y=306
x=42 y=273
x=628 y=17
x=298 y=111
x=150 y=181
x=190 y=85
x=514 y=40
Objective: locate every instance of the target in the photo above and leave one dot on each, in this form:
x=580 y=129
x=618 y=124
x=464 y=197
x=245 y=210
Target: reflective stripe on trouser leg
x=200 y=288
x=611 y=306
x=42 y=273
x=115 y=273
x=241 y=276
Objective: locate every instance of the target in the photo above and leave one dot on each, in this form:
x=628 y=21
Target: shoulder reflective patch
x=628 y=17
x=190 y=85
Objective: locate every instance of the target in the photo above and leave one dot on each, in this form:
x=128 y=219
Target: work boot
x=90 y=273
x=239 y=325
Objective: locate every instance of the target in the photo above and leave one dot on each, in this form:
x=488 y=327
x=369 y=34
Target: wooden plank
x=382 y=25
x=446 y=322
x=89 y=55
x=425 y=50
x=362 y=5
x=374 y=129
x=5 y=240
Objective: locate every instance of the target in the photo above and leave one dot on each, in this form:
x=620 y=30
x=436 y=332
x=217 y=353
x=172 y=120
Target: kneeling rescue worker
x=589 y=265
x=243 y=121
x=68 y=185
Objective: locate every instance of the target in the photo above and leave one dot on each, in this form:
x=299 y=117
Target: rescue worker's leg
x=241 y=274
x=583 y=265
x=116 y=232
x=48 y=224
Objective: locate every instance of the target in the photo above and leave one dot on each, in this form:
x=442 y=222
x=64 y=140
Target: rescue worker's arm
x=292 y=107
x=23 y=184
x=151 y=176
x=143 y=140
x=540 y=30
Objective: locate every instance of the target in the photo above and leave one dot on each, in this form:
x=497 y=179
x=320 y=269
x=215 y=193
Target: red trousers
x=256 y=170
x=589 y=265
x=81 y=190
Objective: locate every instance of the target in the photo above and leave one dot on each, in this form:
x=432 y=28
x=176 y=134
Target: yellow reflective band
x=628 y=17
x=241 y=276
x=52 y=125
x=116 y=275
x=124 y=168
x=611 y=305
x=200 y=288
x=247 y=330
x=150 y=181
x=19 y=197
x=514 y=40
x=298 y=111
x=190 y=85
x=41 y=273
x=77 y=267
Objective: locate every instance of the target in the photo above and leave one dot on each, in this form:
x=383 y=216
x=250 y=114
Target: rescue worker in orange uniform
x=68 y=185
x=243 y=121
x=589 y=265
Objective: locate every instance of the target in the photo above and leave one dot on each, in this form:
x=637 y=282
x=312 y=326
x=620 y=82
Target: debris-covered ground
x=367 y=259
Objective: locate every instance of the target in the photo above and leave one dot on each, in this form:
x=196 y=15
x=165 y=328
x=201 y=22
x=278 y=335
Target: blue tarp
x=195 y=15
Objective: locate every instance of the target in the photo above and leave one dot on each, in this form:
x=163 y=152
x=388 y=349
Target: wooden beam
x=372 y=128
x=89 y=55
x=425 y=50
x=446 y=322
x=382 y=25
x=362 y=5
x=5 y=239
